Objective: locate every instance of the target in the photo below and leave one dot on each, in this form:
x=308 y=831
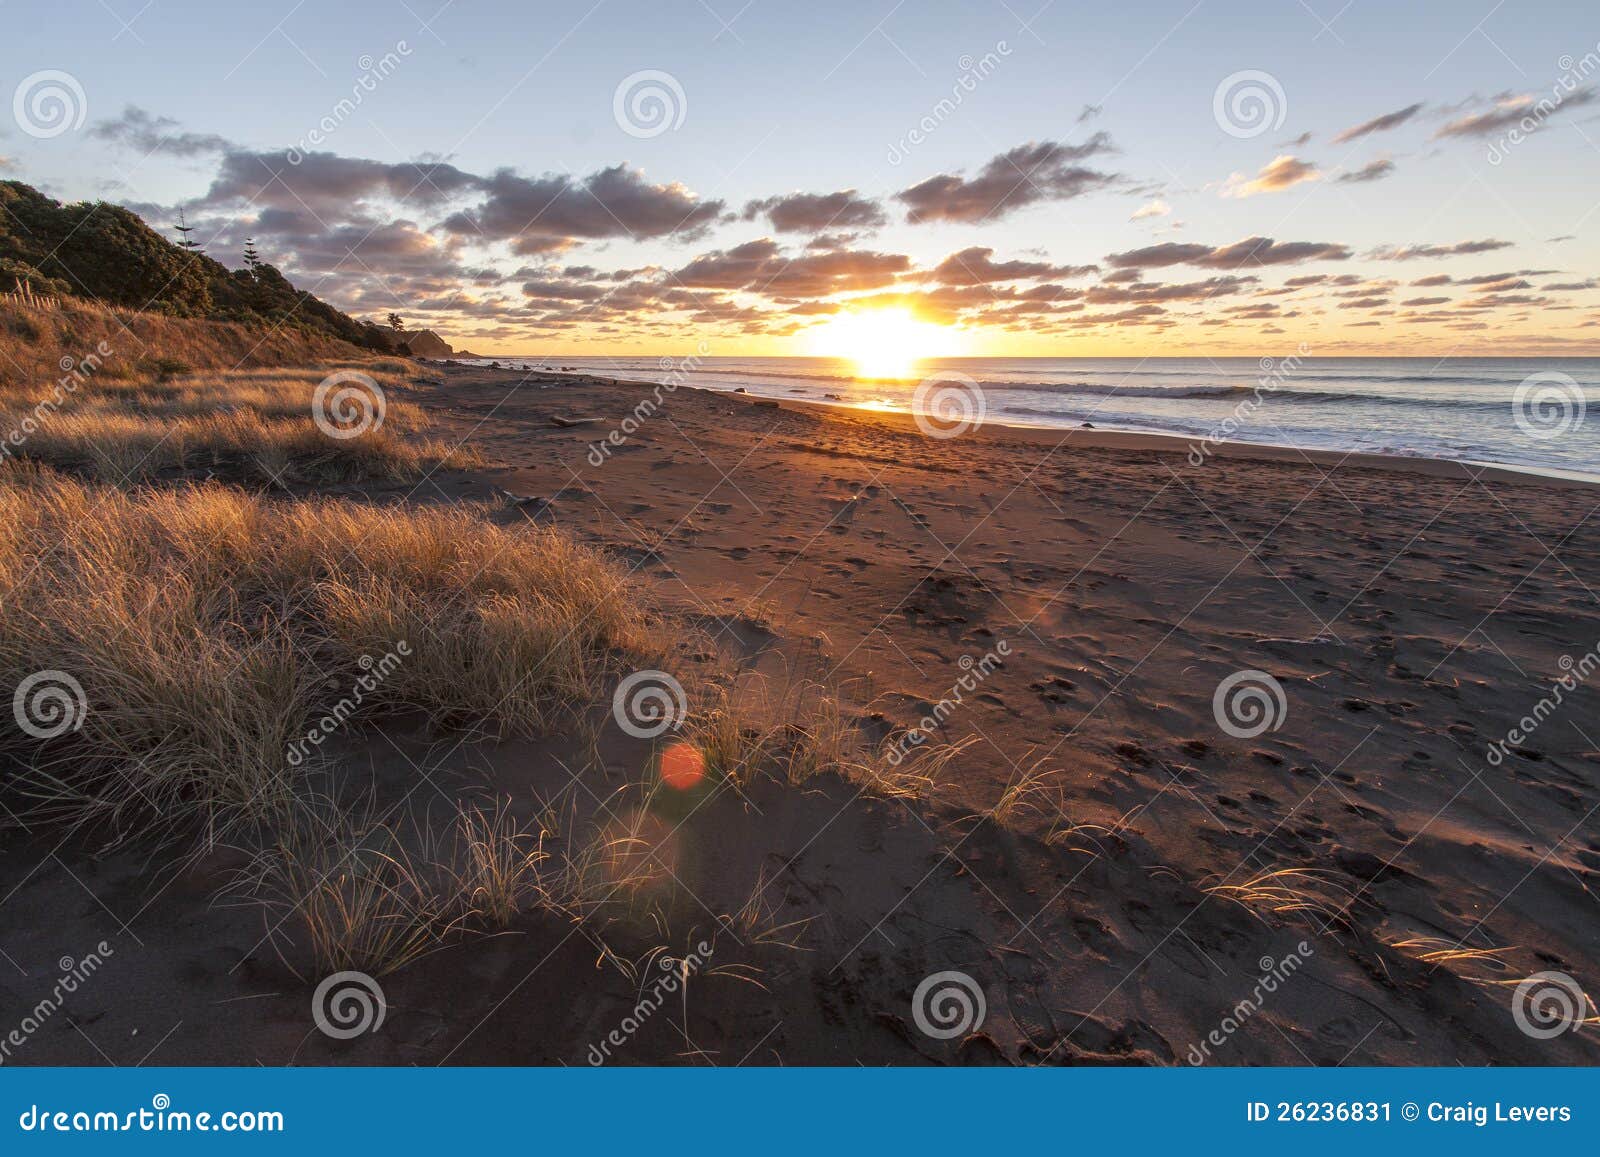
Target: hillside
x=41 y=343
x=106 y=254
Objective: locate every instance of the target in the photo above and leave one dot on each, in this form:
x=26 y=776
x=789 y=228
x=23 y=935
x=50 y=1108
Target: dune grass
x=205 y=627
x=257 y=426
x=131 y=344
x=745 y=731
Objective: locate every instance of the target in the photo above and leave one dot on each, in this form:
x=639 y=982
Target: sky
x=991 y=178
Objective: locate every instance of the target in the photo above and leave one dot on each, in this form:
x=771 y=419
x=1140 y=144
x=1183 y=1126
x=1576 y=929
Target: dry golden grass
x=247 y=425
x=204 y=625
x=497 y=864
x=1479 y=965
x=744 y=732
x=1031 y=791
x=1292 y=893
x=33 y=341
x=359 y=897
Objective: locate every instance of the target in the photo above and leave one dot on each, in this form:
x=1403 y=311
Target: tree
x=252 y=257
x=184 y=229
x=397 y=323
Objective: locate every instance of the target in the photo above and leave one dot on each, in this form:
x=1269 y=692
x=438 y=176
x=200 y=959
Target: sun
x=882 y=343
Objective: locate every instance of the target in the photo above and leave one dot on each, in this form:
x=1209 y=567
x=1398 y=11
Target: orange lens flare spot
x=682 y=766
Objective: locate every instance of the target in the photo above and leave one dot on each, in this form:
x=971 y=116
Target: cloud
x=1282 y=172
x=1026 y=175
x=815 y=212
x=1378 y=124
x=1371 y=171
x=1155 y=208
x=542 y=214
x=1250 y=251
x=1189 y=291
x=1413 y=252
x=138 y=129
x=1524 y=112
x=976 y=266
x=760 y=267
x=327 y=184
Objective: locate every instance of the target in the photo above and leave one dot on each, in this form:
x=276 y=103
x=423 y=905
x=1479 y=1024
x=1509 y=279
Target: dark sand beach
x=1363 y=880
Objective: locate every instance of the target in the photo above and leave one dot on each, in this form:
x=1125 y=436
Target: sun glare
x=882 y=343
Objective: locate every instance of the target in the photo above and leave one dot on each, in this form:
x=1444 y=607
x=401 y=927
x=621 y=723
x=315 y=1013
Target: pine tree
x=184 y=229
x=397 y=323
x=252 y=257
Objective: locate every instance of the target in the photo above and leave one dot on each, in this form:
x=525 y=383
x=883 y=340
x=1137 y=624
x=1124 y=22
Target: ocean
x=1534 y=413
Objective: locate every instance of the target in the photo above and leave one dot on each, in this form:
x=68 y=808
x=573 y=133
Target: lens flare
x=682 y=766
